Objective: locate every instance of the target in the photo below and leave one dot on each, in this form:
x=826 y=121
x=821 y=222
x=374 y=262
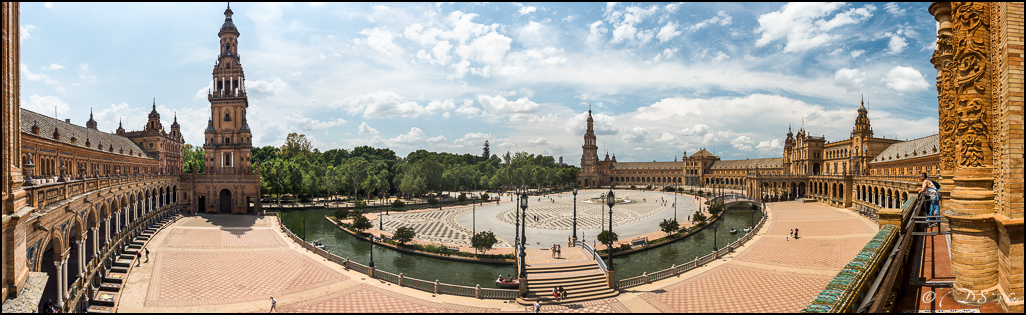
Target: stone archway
x=224 y=199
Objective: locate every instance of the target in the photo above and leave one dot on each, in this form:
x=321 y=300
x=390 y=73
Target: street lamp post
x=610 y=200
x=716 y=228
x=523 y=233
x=575 y=214
x=516 y=215
x=304 y=228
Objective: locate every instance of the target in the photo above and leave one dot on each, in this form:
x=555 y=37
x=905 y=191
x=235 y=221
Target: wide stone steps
x=582 y=282
x=106 y=297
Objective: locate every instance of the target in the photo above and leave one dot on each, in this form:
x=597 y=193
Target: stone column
x=60 y=282
x=946 y=97
x=64 y=279
x=970 y=209
x=96 y=240
x=81 y=257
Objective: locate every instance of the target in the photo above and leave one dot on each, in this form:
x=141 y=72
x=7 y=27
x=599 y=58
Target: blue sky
x=660 y=77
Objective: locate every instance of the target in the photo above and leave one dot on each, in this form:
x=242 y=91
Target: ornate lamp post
x=575 y=214
x=610 y=200
x=516 y=215
x=304 y=228
x=716 y=228
x=523 y=233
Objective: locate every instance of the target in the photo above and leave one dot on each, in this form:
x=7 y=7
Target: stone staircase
x=582 y=281
x=104 y=299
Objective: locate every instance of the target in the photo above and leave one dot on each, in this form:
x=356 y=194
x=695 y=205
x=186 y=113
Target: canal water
x=470 y=274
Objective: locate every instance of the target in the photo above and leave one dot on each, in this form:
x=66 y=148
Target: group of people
x=507 y=279
x=556 y=251
x=559 y=293
x=794 y=233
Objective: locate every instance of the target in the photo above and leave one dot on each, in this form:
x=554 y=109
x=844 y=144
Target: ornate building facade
x=863 y=172
x=230 y=183
x=73 y=195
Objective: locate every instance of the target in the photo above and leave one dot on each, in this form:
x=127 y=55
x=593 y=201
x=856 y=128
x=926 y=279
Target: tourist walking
x=796 y=233
x=930 y=189
x=274 y=305
x=559 y=252
x=537 y=306
x=553 y=250
x=564 y=293
x=147 y=251
x=138 y=258
x=555 y=293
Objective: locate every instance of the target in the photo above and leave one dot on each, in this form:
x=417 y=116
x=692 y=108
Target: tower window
x=227 y=140
x=227 y=117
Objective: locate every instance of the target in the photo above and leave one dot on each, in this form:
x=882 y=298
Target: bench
x=640 y=241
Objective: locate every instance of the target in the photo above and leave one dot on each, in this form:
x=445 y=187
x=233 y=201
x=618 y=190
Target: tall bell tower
x=228 y=143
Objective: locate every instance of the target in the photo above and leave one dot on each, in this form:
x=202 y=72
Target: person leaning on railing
x=931 y=192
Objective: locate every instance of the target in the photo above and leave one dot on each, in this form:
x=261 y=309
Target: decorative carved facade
x=979 y=63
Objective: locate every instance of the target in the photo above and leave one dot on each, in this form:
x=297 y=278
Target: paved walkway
x=231 y=263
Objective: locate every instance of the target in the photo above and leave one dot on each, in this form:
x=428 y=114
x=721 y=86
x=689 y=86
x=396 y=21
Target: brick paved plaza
x=233 y=263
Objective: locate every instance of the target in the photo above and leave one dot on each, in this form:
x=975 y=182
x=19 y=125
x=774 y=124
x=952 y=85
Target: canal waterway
x=470 y=274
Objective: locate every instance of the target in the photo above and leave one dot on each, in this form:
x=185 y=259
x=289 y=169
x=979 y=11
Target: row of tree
x=298 y=169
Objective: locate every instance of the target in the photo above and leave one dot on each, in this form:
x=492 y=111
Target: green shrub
x=484 y=196
x=432 y=201
x=462 y=197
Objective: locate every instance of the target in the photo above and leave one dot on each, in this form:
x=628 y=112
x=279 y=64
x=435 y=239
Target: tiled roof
x=925 y=146
x=647 y=165
x=749 y=163
x=702 y=153
x=98 y=140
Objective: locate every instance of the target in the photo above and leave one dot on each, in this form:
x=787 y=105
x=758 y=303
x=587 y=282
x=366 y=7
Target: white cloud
x=805 y=26
x=381 y=40
x=721 y=18
x=673 y=7
x=498 y=105
x=720 y=56
x=539 y=141
x=261 y=89
x=308 y=124
x=48 y=5
x=596 y=32
x=668 y=32
x=468 y=109
x=366 y=129
x=894 y=9
x=905 y=79
x=45 y=105
x=524 y=9
x=39 y=77
x=897 y=43
x=54 y=66
x=24 y=31
x=380 y=104
x=742 y=143
x=850 y=79
x=440 y=106
x=415 y=137
x=203 y=92
x=635 y=135
x=856 y=53
x=474 y=139
x=316 y=4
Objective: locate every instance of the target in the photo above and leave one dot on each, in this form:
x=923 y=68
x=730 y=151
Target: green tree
x=194 y=159
x=487 y=153
x=668 y=226
x=356 y=173
x=698 y=217
x=404 y=235
x=483 y=241
x=295 y=145
x=716 y=207
x=361 y=223
x=605 y=237
x=342 y=213
x=265 y=154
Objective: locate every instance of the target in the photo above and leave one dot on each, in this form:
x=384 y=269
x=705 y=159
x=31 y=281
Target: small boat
x=512 y=284
x=733 y=230
x=746 y=229
x=317 y=244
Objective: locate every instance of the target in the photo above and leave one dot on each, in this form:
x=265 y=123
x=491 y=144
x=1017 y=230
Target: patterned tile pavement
x=215 y=264
x=369 y=299
x=201 y=278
